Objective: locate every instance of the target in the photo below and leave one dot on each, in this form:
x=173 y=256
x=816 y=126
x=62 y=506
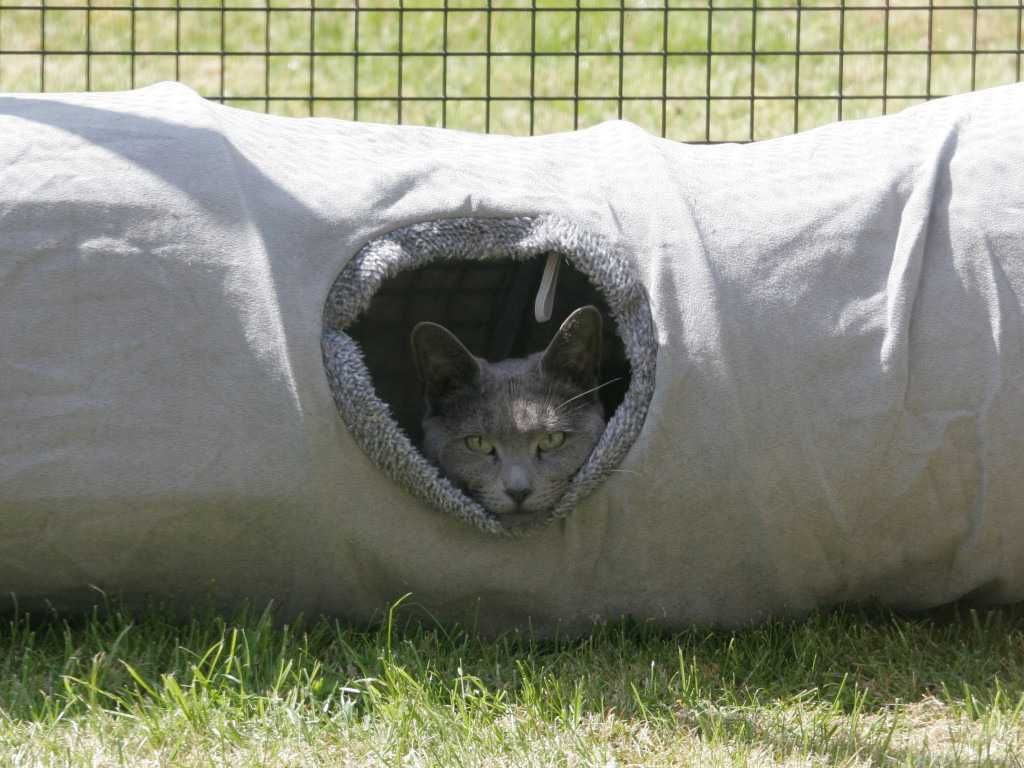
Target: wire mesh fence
x=711 y=70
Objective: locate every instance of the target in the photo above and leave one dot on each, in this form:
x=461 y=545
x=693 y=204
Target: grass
x=261 y=58
x=844 y=688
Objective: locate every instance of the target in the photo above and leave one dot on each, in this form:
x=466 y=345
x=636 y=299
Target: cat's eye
x=479 y=444
x=549 y=441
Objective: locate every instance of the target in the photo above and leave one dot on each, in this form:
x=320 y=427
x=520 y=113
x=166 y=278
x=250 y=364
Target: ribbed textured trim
x=611 y=271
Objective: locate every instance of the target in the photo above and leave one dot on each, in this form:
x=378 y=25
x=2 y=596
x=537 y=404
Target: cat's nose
x=518 y=495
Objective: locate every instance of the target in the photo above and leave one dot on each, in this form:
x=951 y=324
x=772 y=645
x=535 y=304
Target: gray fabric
x=837 y=410
x=369 y=419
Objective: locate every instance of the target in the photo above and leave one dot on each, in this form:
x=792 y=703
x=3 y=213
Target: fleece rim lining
x=368 y=418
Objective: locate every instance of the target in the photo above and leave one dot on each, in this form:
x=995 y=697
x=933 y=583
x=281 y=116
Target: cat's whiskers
x=587 y=392
x=629 y=472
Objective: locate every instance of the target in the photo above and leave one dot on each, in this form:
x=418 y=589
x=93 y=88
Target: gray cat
x=513 y=433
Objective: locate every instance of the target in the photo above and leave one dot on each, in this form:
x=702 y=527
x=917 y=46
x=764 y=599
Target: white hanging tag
x=545 y=301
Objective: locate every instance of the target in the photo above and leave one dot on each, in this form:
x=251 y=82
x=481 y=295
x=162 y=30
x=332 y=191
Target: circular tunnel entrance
x=479 y=278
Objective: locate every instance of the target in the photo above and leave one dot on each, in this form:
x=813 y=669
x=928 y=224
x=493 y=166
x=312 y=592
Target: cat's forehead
x=514 y=397
x=523 y=411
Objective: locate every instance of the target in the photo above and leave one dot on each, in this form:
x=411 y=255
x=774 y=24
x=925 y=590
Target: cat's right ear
x=575 y=352
x=444 y=365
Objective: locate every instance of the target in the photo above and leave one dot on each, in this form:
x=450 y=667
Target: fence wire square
x=711 y=71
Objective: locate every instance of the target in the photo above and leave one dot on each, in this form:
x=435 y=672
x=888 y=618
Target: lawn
x=852 y=687
x=686 y=71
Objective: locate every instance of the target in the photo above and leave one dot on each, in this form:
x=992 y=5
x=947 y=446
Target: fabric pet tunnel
x=205 y=391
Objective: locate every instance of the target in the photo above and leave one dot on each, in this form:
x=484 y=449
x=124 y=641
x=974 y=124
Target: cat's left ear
x=443 y=363
x=575 y=352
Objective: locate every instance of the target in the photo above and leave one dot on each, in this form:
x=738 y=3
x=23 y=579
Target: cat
x=512 y=434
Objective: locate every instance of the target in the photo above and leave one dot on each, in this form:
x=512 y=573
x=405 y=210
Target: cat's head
x=512 y=434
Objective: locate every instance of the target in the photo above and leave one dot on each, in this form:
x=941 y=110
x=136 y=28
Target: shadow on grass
x=853 y=661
